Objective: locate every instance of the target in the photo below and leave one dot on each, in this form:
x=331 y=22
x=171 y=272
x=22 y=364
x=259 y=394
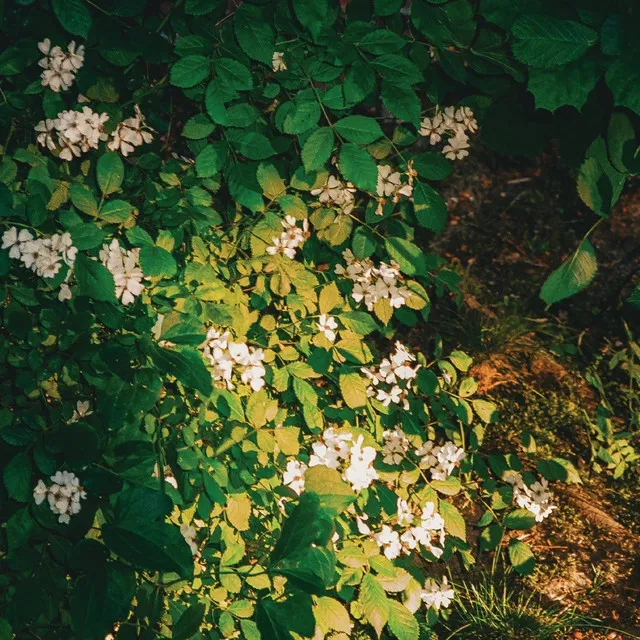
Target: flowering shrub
x=221 y=414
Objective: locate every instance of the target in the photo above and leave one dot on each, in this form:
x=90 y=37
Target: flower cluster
x=226 y=357
x=45 y=256
x=291 y=238
x=391 y=373
x=60 y=67
x=437 y=596
x=456 y=124
x=427 y=530
x=335 y=193
x=63 y=495
x=130 y=133
x=441 y=460
x=339 y=451
x=189 y=534
x=373 y=283
x=535 y=498
x=125 y=269
x=395 y=446
x=390 y=185
x=72 y=133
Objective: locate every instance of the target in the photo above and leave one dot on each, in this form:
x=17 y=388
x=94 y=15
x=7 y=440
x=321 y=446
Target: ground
x=511 y=225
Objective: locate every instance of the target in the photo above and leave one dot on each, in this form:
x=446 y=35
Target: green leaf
x=621 y=143
x=87 y=236
x=182 y=329
x=430 y=207
x=300 y=116
x=387 y=7
x=454 y=523
x=487 y=411
x=277 y=620
x=74 y=16
x=110 y=173
x=211 y=159
x=519 y=519
x=599 y=184
x=185 y=365
x=358 y=129
x=233 y=73
x=397 y=69
x=313 y=14
x=521 y=557
x=317 y=149
x=312 y=570
x=357 y=166
x=402 y=622
x=101 y=598
x=353 y=388
x=116 y=211
x=252 y=145
x=17 y=477
x=623 y=78
x=374 y=603
x=402 y=101
x=542 y=41
x=189 y=71
x=139 y=534
x=359 y=322
x=382 y=41
x=6 y=632
x=576 y=273
x=566 y=85
x=409 y=257
x=254 y=34
x=432 y=166
x=334 y=494
x=558 y=469
x=188 y=624
x=329 y=298
x=94 y=279
x=198 y=127
x=83 y=199
x=156 y=261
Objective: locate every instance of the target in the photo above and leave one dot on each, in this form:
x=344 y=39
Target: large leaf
x=357 y=166
x=254 y=33
x=374 y=603
x=358 y=129
x=74 y=16
x=186 y=365
x=521 y=557
x=110 y=173
x=333 y=493
x=402 y=101
x=94 y=279
x=402 y=622
x=277 y=620
x=189 y=71
x=623 y=78
x=572 y=276
x=542 y=41
x=353 y=387
x=409 y=257
x=317 y=149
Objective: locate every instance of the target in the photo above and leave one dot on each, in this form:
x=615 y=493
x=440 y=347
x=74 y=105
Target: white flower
x=362 y=525
x=14 y=240
x=360 y=472
x=292 y=238
x=327 y=325
x=81 y=411
x=456 y=149
x=59 y=67
x=337 y=194
x=278 y=62
x=395 y=442
x=294 y=476
x=63 y=495
x=130 y=133
x=64 y=293
x=432 y=128
x=405 y=516
x=389 y=540
x=389 y=181
x=189 y=534
x=535 y=498
x=124 y=266
x=436 y=595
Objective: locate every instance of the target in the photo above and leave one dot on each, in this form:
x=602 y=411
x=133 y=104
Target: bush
x=222 y=414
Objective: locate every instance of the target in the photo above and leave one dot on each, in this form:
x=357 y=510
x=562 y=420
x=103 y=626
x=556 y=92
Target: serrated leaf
x=317 y=149
x=454 y=523
x=17 y=477
x=255 y=35
x=543 y=41
x=329 y=298
x=353 y=387
x=374 y=603
x=402 y=622
x=402 y=101
x=359 y=129
x=110 y=173
x=576 y=273
x=156 y=261
x=409 y=257
x=358 y=167
x=521 y=557
x=189 y=71
x=94 y=279
x=74 y=16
